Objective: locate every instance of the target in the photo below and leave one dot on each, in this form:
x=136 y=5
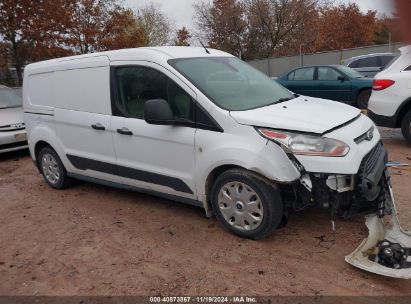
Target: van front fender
x=268 y=160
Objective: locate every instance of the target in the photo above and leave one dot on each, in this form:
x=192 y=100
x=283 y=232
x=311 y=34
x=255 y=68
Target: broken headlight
x=302 y=144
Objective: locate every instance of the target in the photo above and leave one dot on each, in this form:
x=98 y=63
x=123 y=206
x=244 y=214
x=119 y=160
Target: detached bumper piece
x=387 y=249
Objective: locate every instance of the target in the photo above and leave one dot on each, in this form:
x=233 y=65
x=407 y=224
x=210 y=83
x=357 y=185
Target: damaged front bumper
x=387 y=249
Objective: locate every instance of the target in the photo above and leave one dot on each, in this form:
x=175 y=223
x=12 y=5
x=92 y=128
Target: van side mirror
x=341 y=78
x=158 y=112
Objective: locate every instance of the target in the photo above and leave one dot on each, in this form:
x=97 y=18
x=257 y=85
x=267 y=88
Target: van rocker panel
x=144 y=176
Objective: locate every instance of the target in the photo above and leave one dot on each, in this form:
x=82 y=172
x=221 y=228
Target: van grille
x=371 y=159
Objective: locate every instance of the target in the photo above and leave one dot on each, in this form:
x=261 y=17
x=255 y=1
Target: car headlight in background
x=302 y=144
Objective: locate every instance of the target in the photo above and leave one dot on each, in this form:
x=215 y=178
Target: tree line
x=43 y=29
x=37 y=30
x=263 y=28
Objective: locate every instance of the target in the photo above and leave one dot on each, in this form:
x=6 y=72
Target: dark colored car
x=335 y=82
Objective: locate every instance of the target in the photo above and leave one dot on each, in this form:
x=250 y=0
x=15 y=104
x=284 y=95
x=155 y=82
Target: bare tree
x=157 y=27
x=223 y=23
x=276 y=23
x=31 y=29
x=96 y=25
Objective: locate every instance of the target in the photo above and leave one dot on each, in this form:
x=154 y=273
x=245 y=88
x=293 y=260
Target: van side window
x=135 y=85
x=408 y=69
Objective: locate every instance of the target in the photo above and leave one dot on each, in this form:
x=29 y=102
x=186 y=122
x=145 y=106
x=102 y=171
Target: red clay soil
x=95 y=240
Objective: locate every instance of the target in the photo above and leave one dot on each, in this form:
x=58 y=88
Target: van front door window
x=137 y=84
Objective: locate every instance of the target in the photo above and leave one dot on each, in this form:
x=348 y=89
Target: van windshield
x=231 y=83
x=9 y=99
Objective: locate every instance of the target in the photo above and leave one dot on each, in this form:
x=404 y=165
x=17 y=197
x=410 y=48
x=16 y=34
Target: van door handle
x=98 y=126
x=124 y=131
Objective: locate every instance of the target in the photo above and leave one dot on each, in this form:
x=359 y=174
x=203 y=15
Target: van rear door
x=82 y=117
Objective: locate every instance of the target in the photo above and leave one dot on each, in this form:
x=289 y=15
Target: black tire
x=406 y=127
x=267 y=193
x=363 y=98
x=63 y=181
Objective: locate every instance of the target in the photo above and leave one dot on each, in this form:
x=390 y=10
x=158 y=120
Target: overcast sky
x=181 y=11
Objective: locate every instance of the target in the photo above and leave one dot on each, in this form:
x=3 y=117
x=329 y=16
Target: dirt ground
x=94 y=240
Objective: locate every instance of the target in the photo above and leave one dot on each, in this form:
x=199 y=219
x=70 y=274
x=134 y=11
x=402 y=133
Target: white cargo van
x=202 y=127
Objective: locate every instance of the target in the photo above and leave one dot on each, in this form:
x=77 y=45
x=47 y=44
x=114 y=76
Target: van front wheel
x=246 y=204
x=53 y=169
x=406 y=127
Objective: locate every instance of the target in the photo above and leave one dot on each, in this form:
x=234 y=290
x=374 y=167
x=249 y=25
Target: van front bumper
x=348 y=195
x=387 y=250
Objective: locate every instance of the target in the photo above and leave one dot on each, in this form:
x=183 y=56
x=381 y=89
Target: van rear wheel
x=246 y=204
x=406 y=127
x=52 y=169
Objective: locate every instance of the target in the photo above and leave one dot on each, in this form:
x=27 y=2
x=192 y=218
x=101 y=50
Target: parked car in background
x=335 y=82
x=390 y=102
x=369 y=65
x=12 y=129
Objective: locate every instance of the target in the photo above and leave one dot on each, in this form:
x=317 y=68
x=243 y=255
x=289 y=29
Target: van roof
x=156 y=54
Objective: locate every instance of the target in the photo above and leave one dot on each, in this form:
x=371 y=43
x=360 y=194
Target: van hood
x=11 y=116
x=304 y=114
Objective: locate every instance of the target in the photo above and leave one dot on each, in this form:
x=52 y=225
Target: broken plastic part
x=385 y=237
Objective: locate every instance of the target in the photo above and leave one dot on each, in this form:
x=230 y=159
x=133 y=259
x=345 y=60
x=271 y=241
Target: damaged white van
x=200 y=126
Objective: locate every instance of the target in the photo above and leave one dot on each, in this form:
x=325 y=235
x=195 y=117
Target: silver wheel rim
x=240 y=206
x=50 y=167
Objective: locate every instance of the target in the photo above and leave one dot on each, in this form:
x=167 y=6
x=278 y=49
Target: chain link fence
x=274 y=67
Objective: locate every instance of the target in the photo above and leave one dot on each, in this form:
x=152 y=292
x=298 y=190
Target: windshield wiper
x=283 y=100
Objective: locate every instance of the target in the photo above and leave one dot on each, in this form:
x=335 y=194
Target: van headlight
x=302 y=144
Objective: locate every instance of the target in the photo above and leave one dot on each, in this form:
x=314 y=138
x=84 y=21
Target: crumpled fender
x=386 y=228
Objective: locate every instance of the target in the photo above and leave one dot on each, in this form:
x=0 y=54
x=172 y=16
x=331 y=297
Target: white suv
x=390 y=102
x=202 y=127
